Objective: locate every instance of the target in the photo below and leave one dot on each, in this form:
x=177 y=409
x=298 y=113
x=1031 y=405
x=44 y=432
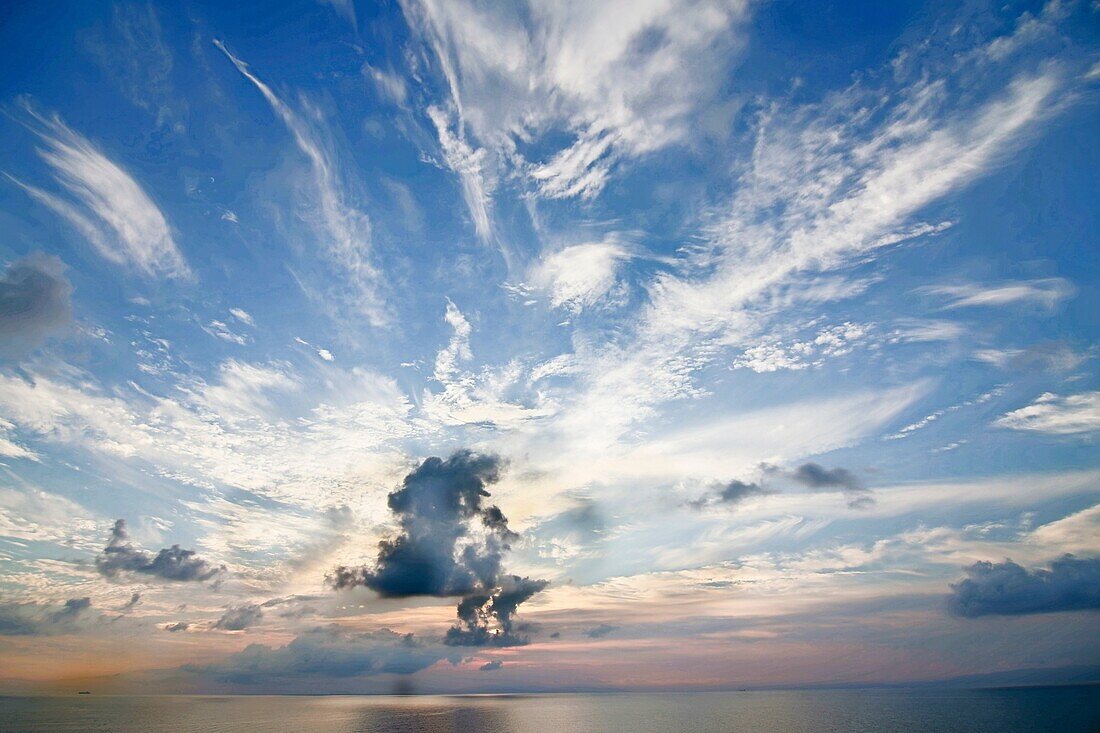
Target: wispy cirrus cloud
x=1046 y=293
x=829 y=184
x=1056 y=415
x=345 y=230
x=107 y=205
x=619 y=79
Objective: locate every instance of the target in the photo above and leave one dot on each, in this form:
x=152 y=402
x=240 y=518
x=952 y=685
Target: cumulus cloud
x=328 y=652
x=108 y=206
x=171 y=563
x=817 y=477
x=34 y=302
x=451 y=543
x=491 y=665
x=1056 y=415
x=1008 y=589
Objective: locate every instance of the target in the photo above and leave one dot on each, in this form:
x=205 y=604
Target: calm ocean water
x=1058 y=710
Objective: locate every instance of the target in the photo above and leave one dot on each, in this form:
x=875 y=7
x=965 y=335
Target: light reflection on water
x=1062 y=709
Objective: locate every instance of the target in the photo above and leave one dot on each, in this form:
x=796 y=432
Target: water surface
x=1052 y=709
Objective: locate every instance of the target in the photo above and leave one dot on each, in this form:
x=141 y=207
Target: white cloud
x=1047 y=293
x=580 y=276
x=1051 y=413
x=829 y=342
x=621 y=78
x=109 y=207
x=242 y=316
x=345 y=230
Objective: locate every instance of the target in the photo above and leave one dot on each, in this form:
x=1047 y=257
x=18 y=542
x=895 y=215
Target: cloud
x=815 y=476
x=135 y=599
x=731 y=492
x=1056 y=415
x=72 y=608
x=485 y=619
x=1046 y=293
x=177 y=627
x=615 y=80
x=580 y=276
x=328 y=652
x=240 y=617
x=108 y=207
x=172 y=563
x=600 y=631
x=1007 y=589
x=450 y=544
x=827 y=185
x=34 y=302
x=134 y=55
x=345 y=231
x=829 y=342
x=32 y=619
x=243 y=316
x=491 y=665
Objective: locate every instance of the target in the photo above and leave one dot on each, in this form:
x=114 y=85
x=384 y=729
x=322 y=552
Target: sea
x=1048 y=709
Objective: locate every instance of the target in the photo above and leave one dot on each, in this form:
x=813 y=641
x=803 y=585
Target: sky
x=514 y=346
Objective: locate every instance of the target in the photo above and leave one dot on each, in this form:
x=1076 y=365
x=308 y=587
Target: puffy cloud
x=34 y=301
x=328 y=652
x=450 y=544
x=171 y=563
x=491 y=665
x=1008 y=589
x=486 y=619
x=1051 y=413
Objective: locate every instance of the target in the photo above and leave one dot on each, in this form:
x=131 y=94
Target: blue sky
x=775 y=325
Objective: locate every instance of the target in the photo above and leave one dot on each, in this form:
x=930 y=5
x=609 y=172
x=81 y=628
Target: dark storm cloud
x=329 y=652
x=486 y=619
x=436 y=553
x=1007 y=589
x=72 y=608
x=240 y=617
x=732 y=492
x=451 y=543
x=171 y=563
x=600 y=631
x=32 y=619
x=491 y=665
x=815 y=476
x=34 y=301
